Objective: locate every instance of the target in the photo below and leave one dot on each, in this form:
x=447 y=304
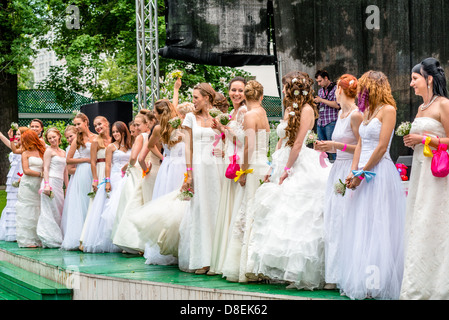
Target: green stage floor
x=133 y=267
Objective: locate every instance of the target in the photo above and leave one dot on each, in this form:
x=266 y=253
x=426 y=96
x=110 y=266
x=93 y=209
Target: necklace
x=344 y=116
x=424 y=107
x=367 y=121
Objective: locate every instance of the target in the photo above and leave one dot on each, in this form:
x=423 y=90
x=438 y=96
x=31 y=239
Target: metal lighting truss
x=147 y=53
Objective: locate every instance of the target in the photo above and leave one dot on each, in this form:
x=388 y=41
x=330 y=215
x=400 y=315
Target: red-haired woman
x=343 y=143
x=28 y=198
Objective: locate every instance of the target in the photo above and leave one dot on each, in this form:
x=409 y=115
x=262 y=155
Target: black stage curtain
x=219 y=32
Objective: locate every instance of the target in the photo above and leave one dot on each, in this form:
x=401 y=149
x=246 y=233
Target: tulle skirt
x=159 y=229
x=49 y=224
x=333 y=218
x=287 y=238
x=76 y=205
x=98 y=229
x=372 y=245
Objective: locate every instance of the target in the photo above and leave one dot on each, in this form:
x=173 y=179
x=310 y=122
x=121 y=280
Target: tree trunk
x=9 y=112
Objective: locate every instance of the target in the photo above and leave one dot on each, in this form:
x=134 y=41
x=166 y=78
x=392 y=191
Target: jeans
x=325 y=134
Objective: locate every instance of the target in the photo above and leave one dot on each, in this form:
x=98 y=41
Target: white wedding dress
x=287 y=239
x=231 y=192
x=97 y=237
x=372 y=245
x=76 y=202
x=236 y=255
x=427 y=222
x=203 y=207
x=49 y=224
x=28 y=206
x=8 y=217
x=335 y=203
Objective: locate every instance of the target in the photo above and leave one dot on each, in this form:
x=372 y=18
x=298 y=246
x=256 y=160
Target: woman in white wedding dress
x=52 y=192
x=372 y=246
x=205 y=175
x=344 y=141
x=138 y=182
x=287 y=237
x=97 y=163
x=156 y=223
x=76 y=203
x=28 y=198
x=427 y=219
x=97 y=237
x=231 y=192
x=8 y=215
x=254 y=168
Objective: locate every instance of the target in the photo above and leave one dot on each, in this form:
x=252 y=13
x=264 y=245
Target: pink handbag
x=233 y=167
x=440 y=161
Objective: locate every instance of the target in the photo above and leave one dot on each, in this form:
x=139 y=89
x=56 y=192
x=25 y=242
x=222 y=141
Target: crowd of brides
x=186 y=187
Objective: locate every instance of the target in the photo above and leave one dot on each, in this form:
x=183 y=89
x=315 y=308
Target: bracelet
x=107 y=180
x=46 y=182
x=189 y=169
x=344 y=148
x=95 y=180
x=424 y=140
x=287 y=169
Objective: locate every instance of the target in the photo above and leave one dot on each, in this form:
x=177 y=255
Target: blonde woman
x=52 y=193
x=204 y=178
x=372 y=246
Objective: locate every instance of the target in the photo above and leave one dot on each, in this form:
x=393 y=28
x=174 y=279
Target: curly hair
x=374 y=90
x=298 y=93
x=166 y=111
x=253 y=90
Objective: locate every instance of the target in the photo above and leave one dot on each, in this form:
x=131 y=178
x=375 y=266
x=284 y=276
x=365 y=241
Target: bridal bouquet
x=16 y=183
x=91 y=194
x=14 y=126
x=340 y=188
x=312 y=137
x=214 y=112
x=185 y=195
x=176 y=74
x=175 y=122
x=403 y=129
x=223 y=118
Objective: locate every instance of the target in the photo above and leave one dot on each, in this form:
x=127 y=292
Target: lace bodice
x=119 y=159
x=84 y=152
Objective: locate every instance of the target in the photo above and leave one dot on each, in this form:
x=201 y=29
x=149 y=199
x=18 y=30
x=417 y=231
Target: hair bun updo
x=349 y=84
x=253 y=90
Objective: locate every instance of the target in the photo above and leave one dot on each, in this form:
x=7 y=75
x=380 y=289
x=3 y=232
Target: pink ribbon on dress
x=323 y=155
x=218 y=137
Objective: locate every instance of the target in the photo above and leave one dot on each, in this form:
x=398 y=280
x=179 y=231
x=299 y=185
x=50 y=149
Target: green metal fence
x=43 y=104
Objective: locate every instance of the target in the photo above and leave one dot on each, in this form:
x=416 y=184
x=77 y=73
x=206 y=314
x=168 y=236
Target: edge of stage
x=117 y=276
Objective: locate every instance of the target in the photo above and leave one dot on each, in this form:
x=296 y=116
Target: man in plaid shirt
x=327 y=106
